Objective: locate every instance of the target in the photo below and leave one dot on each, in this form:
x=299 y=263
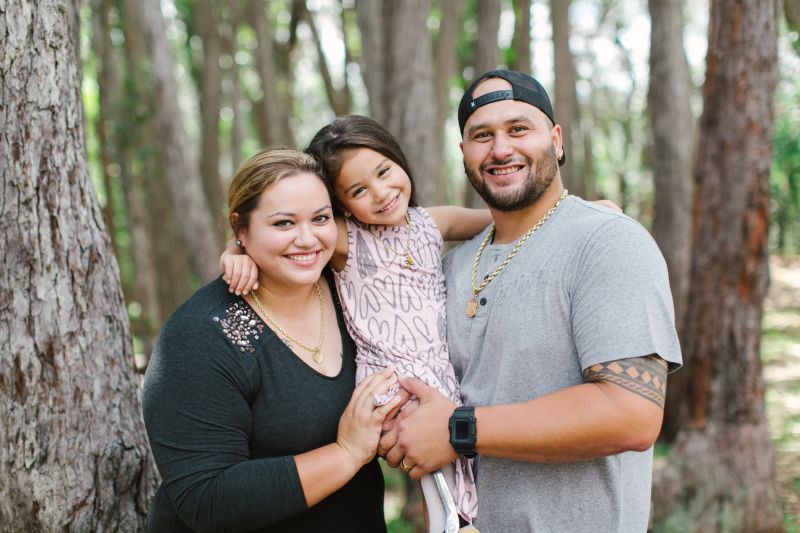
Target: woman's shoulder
x=212 y=321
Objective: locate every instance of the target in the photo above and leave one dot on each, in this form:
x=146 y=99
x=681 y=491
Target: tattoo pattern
x=645 y=376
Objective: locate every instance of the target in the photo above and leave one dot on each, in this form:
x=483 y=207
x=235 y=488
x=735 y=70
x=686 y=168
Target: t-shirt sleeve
x=196 y=409
x=622 y=305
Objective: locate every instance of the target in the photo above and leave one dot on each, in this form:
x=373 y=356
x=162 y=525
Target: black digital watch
x=464 y=431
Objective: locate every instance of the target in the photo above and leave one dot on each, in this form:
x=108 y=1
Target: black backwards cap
x=523 y=88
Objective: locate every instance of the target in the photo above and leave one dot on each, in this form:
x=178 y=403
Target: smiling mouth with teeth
x=304 y=258
x=390 y=205
x=505 y=171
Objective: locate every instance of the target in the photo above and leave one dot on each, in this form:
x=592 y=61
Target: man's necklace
x=408 y=261
x=316 y=351
x=472 y=303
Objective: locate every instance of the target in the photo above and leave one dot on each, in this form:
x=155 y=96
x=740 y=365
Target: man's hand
x=420 y=439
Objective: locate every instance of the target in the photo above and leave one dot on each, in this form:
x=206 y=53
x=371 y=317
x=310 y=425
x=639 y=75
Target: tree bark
x=721 y=470
x=196 y=223
x=565 y=105
x=208 y=22
x=487 y=56
x=522 y=37
x=74 y=455
x=671 y=160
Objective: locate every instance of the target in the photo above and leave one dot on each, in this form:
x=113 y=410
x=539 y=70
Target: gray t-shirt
x=589 y=286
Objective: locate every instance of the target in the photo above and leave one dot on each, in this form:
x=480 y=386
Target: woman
x=249 y=401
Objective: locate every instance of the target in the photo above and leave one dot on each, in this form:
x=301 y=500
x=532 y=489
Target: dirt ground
x=781 y=356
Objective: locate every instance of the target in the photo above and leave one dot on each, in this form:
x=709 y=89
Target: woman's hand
x=360 y=425
x=239 y=270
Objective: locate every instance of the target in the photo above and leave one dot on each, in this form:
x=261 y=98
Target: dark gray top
x=227 y=405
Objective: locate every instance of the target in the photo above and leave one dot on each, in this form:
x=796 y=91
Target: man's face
x=510 y=150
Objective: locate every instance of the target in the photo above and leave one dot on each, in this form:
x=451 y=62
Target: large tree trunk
x=487 y=56
x=196 y=220
x=407 y=91
x=721 y=470
x=73 y=456
x=671 y=160
x=565 y=104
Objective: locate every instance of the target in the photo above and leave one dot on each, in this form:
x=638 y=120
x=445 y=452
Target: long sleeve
x=196 y=403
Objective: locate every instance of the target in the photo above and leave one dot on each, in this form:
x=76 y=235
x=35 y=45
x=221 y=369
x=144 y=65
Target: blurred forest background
x=686 y=114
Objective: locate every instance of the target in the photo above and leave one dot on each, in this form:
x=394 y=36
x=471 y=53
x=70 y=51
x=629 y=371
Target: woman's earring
x=348 y=214
x=238 y=243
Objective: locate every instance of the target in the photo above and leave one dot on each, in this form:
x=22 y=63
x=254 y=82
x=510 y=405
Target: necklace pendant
x=409 y=262
x=472 y=307
x=317 y=356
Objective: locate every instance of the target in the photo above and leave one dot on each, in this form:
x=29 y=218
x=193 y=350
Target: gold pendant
x=409 y=262
x=472 y=307
x=318 y=357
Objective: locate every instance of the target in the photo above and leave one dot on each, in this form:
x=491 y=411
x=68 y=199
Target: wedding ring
x=404 y=467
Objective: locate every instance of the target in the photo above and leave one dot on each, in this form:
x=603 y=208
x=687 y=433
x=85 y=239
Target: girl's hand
x=609 y=204
x=360 y=425
x=239 y=270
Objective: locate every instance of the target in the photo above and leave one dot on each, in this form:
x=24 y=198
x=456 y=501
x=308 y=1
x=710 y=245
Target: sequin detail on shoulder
x=239 y=324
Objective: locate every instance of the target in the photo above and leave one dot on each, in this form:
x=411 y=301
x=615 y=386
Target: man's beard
x=531 y=189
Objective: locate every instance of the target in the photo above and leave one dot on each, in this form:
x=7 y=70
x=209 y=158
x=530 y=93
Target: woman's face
x=291 y=235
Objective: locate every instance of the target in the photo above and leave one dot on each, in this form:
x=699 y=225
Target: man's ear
x=556 y=136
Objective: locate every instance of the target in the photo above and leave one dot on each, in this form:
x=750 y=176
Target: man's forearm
x=582 y=422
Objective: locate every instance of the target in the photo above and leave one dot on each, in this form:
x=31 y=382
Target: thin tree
x=565 y=104
x=721 y=472
x=521 y=43
x=74 y=455
x=671 y=161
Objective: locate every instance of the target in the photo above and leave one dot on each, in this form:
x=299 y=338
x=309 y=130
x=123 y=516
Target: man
x=561 y=330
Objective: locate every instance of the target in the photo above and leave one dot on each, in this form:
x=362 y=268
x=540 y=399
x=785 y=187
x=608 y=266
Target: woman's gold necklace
x=316 y=351
x=472 y=303
x=408 y=261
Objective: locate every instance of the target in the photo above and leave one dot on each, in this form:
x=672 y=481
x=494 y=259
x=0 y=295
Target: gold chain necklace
x=317 y=350
x=408 y=261
x=472 y=303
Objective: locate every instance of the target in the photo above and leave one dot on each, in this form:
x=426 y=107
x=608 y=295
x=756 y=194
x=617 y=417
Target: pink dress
x=396 y=314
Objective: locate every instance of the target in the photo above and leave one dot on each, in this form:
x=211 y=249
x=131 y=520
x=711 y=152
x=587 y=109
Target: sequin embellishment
x=239 y=324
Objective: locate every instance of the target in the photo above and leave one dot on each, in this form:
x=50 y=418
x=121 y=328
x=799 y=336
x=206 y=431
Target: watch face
x=462 y=430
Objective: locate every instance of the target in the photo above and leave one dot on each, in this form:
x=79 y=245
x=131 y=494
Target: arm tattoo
x=645 y=376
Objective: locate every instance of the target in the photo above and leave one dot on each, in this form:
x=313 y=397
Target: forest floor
x=780 y=352
x=781 y=356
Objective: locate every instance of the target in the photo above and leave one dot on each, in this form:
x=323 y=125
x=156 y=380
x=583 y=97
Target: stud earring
x=238 y=243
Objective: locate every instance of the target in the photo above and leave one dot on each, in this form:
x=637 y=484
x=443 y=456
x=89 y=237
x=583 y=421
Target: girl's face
x=373 y=188
x=291 y=235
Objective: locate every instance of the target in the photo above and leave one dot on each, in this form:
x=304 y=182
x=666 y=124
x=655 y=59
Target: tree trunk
x=720 y=475
x=565 y=105
x=208 y=22
x=522 y=37
x=196 y=221
x=337 y=98
x=671 y=159
x=108 y=90
x=271 y=108
x=74 y=456
x=487 y=56
x=230 y=47
x=369 y=14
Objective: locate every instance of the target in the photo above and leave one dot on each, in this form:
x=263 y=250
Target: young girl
x=388 y=270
